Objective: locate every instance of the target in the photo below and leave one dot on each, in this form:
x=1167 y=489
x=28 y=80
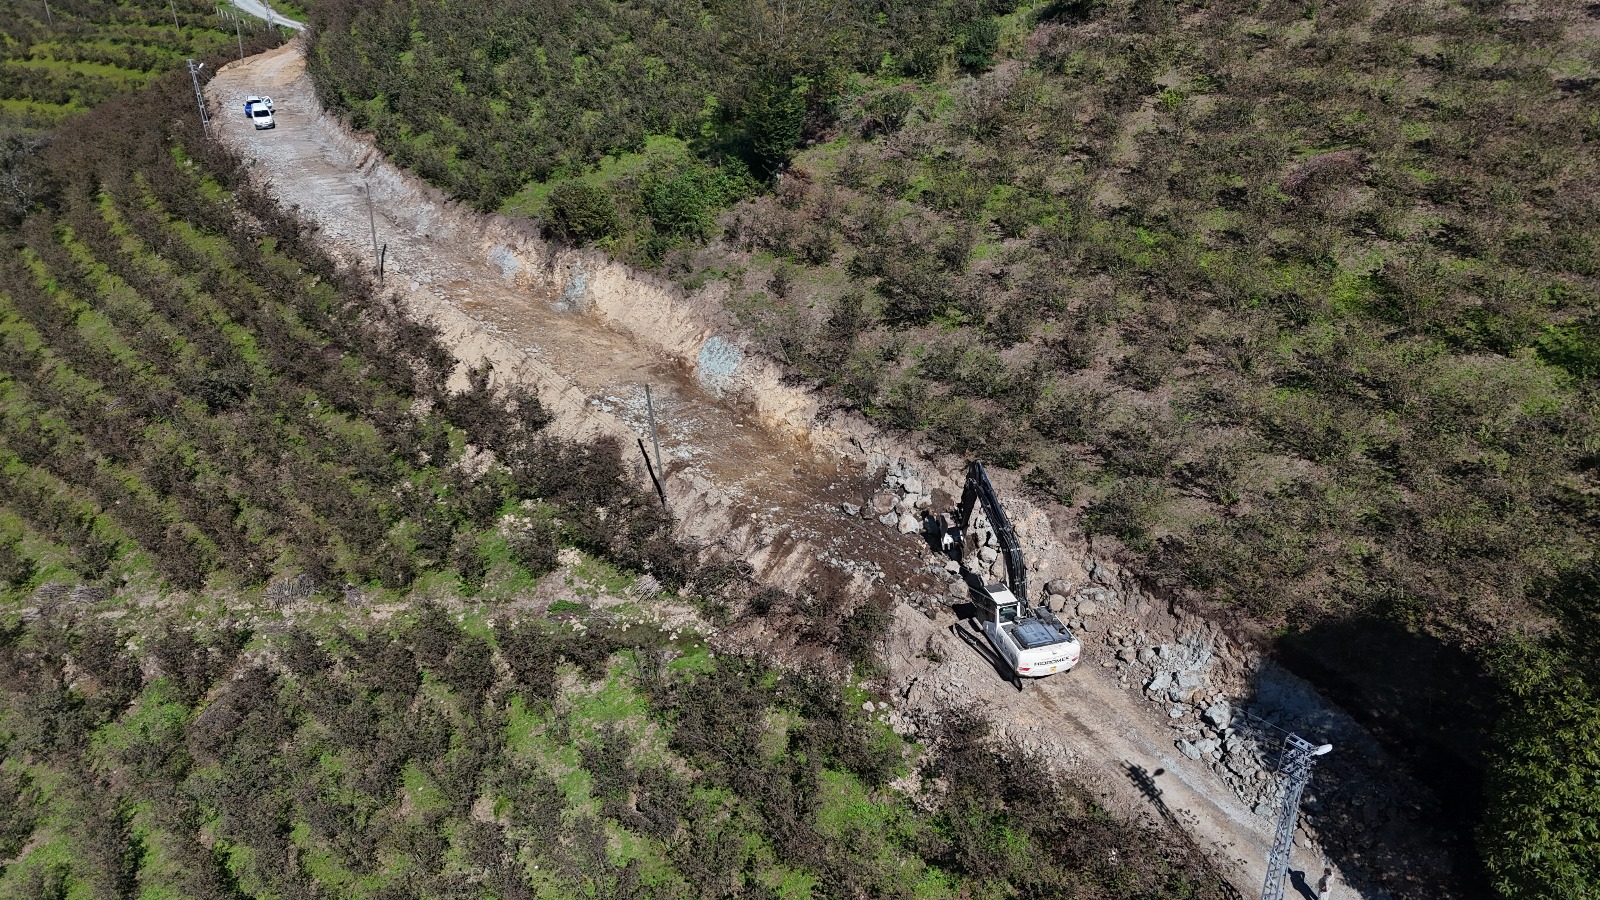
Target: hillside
x=290 y=606
x=80 y=54
x=436 y=759
x=1295 y=303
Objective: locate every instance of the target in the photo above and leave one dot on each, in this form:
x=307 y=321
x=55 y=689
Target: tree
x=1541 y=835
x=584 y=213
x=775 y=120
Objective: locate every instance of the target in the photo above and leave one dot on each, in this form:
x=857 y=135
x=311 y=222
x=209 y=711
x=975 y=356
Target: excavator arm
x=978 y=491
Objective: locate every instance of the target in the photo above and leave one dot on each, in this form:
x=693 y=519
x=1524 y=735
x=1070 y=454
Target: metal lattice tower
x=1294 y=771
x=199 y=96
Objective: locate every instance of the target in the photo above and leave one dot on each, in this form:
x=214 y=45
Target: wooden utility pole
x=655 y=438
x=372 y=222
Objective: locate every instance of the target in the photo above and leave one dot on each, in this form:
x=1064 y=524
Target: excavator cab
x=1004 y=612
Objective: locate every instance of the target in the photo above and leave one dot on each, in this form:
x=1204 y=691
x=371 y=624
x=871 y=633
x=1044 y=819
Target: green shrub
x=1541 y=835
x=582 y=212
x=16 y=567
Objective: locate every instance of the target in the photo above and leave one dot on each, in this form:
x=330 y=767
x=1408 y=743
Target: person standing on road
x=1324 y=884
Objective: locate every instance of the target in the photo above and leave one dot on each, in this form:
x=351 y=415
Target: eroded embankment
x=1155 y=718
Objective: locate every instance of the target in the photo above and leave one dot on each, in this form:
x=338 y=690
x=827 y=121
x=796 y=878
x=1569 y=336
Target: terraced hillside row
x=84 y=53
x=698 y=97
x=189 y=388
x=435 y=759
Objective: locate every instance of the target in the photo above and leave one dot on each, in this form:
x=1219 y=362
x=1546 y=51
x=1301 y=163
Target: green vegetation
x=506 y=102
x=419 y=759
x=188 y=387
x=1298 y=302
x=233 y=487
x=85 y=53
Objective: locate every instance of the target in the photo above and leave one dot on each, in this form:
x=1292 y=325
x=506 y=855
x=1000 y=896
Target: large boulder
x=884 y=502
x=1160 y=683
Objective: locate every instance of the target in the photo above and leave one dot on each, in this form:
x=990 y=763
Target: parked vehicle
x=259 y=111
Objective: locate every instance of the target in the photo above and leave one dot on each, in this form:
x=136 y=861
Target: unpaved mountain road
x=764 y=492
x=262 y=11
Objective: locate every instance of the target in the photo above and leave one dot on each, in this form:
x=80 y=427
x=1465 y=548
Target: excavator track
x=980 y=644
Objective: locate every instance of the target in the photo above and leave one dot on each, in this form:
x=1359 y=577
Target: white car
x=259 y=111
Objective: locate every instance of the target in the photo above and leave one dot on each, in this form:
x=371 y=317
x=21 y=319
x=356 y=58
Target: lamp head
x=1324 y=749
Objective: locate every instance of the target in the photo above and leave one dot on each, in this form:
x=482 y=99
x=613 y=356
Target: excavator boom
x=978 y=491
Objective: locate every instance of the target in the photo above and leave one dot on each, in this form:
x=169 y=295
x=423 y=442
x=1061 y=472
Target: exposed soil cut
x=756 y=466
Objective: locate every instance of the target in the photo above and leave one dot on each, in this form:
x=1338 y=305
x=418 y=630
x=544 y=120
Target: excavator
x=1030 y=639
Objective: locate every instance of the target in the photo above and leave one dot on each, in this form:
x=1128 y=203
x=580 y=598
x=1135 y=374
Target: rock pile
x=1207 y=725
x=903 y=503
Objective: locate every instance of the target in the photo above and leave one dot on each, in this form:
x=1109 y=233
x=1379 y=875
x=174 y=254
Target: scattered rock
x=1218 y=714
x=884 y=503
x=1126 y=654
x=912 y=485
x=1160 y=683
x=1058 y=586
x=852 y=509
x=889 y=518
x=909 y=523
x=952 y=566
x=1099 y=573
x=1188 y=748
x=988 y=554
x=958 y=590
x=1056 y=603
x=923 y=502
x=1087 y=608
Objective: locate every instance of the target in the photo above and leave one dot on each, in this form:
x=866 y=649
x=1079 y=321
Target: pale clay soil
x=759 y=468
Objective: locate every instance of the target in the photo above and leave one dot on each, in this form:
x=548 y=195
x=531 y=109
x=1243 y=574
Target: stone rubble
x=1206 y=724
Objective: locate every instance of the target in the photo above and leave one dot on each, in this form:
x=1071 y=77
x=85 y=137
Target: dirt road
x=262 y=11
x=768 y=495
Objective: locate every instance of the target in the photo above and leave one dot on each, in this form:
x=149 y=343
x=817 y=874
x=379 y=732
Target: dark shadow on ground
x=1297 y=880
x=1432 y=709
x=1145 y=781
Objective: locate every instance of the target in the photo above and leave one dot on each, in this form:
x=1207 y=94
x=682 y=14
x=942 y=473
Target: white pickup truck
x=259 y=111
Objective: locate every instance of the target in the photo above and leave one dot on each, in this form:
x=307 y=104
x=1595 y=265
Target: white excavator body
x=1033 y=641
